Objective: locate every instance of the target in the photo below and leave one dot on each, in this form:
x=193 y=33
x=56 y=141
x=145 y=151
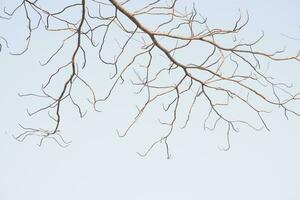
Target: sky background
x=98 y=164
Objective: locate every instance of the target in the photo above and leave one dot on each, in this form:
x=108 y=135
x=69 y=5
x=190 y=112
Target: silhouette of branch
x=234 y=72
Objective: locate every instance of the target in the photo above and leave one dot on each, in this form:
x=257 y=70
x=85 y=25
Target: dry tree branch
x=234 y=71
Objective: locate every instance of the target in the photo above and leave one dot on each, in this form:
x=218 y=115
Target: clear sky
x=100 y=165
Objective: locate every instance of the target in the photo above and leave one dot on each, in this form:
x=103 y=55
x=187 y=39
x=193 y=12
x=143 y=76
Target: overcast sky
x=100 y=165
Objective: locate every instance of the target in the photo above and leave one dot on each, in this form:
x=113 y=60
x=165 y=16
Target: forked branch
x=234 y=72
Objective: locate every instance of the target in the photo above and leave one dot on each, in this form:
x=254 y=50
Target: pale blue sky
x=99 y=165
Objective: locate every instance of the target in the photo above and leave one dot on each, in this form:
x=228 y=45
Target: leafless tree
x=231 y=69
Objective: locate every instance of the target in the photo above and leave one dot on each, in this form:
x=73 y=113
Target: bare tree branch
x=233 y=71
